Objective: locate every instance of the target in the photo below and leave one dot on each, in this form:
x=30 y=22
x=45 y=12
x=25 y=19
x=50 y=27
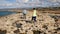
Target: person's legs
x=34 y=18
x=24 y=16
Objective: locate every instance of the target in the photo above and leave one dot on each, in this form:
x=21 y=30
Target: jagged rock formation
x=16 y=24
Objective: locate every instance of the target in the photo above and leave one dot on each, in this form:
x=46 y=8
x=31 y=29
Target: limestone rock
x=13 y=24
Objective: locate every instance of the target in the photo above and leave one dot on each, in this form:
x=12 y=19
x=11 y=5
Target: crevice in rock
x=37 y=32
x=55 y=17
x=17 y=31
x=3 y=31
x=44 y=26
x=58 y=29
x=18 y=25
x=55 y=32
x=28 y=21
x=44 y=33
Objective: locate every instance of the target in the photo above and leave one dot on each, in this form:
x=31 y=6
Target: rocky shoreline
x=15 y=24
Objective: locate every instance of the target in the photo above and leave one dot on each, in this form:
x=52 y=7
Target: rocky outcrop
x=16 y=24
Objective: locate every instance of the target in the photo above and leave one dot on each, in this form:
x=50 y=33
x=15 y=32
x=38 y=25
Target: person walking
x=24 y=13
x=34 y=15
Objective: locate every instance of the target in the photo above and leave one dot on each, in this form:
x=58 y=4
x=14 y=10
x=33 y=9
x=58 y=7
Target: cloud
x=6 y=3
x=19 y=4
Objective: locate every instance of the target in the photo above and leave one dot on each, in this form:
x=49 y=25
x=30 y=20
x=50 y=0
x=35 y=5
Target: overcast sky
x=28 y=3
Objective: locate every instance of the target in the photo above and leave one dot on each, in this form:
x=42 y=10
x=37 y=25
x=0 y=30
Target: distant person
x=34 y=15
x=24 y=13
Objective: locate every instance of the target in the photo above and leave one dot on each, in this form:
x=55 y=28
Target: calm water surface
x=4 y=13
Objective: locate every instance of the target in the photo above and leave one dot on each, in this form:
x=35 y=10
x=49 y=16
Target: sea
x=5 y=13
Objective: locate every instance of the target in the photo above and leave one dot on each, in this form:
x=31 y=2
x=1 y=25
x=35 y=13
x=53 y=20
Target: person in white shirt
x=24 y=13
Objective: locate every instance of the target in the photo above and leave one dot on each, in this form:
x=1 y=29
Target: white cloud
x=5 y=3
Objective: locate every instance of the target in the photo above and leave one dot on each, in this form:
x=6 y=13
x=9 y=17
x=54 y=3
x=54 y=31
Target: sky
x=28 y=3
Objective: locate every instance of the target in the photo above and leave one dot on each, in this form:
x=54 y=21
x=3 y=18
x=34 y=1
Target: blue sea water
x=4 y=13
